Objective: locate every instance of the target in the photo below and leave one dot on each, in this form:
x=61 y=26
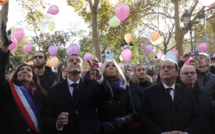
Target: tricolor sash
x=27 y=107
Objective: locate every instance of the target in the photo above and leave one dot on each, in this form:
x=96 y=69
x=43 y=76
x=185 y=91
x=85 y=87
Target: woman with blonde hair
x=116 y=114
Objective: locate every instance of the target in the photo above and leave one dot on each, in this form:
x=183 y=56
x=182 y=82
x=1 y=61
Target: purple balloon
x=52 y=50
x=27 y=48
x=149 y=48
x=175 y=52
x=122 y=11
x=126 y=55
x=73 y=49
x=159 y=55
x=53 y=10
x=19 y=33
x=203 y=47
x=88 y=56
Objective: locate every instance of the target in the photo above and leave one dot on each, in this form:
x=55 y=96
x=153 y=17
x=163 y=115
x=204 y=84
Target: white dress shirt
x=172 y=92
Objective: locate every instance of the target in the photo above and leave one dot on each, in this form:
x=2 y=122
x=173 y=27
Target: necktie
x=75 y=90
x=168 y=93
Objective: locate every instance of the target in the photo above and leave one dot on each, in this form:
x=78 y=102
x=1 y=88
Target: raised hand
x=185 y=57
x=5 y=36
x=94 y=68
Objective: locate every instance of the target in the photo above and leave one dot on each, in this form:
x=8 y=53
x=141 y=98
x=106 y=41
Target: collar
x=165 y=86
x=71 y=82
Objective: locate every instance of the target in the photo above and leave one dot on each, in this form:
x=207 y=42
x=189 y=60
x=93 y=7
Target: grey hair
x=205 y=55
x=120 y=72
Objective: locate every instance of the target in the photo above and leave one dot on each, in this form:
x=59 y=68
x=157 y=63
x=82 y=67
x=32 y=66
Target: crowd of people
x=171 y=98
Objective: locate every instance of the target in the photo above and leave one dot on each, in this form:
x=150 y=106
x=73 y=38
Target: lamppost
x=186 y=19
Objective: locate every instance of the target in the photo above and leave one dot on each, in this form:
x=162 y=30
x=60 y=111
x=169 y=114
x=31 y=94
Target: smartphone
x=194 y=53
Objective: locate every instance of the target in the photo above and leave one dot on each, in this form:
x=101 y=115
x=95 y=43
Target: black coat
x=205 y=107
x=83 y=117
x=162 y=115
x=120 y=105
x=11 y=117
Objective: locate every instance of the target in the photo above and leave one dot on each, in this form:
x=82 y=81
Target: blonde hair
x=119 y=70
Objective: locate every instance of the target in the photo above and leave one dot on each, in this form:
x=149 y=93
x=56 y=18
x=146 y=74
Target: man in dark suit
x=169 y=108
x=72 y=104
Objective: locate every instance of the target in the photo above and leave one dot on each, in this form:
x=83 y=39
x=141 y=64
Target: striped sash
x=27 y=107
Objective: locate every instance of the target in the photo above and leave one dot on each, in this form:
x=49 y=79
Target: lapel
x=178 y=95
x=162 y=92
x=81 y=88
x=64 y=88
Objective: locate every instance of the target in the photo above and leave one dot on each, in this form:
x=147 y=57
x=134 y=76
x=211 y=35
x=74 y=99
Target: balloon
x=48 y=62
x=51 y=25
x=171 y=56
x=203 y=47
x=13 y=39
x=3 y=1
x=160 y=40
x=149 y=48
x=155 y=35
x=175 y=52
x=53 y=10
x=128 y=37
x=111 y=56
x=27 y=48
x=73 y=49
x=120 y=58
x=126 y=55
x=52 y=50
x=19 y=33
x=54 y=61
x=188 y=61
x=100 y=65
x=207 y=2
x=159 y=55
x=12 y=46
x=121 y=65
x=114 y=21
x=214 y=55
x=122 y=11
x=88 y=56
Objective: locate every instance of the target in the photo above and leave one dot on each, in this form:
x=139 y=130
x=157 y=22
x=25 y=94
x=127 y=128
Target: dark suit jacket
x=161 y=115
x=82 y=113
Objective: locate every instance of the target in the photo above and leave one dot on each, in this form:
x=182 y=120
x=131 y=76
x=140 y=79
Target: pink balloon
x=100 y=65
x=159 y=55
x=73 y=49
x=27 y=48
x=126 y=55
x=149 y=48
x=121 y=65
x=214 y=55
x=19 y=33
x=203 y=47
x=12 y=46
x=52 y=50
x=53 y=10
x=188 y=61
x=13 y=39
x=88 y=56
x=175 y=52
x=122 y=11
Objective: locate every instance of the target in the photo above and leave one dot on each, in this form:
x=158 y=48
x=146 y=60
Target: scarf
x=118 y=85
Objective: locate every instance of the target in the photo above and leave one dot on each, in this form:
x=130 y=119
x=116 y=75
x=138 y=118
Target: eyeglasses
x=187 y=73
x=168 y=67
x=40 y=57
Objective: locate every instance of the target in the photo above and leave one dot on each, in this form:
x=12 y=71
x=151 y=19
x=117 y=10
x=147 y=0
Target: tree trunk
x=95 y=33
x=179 y=33
x=4 y=15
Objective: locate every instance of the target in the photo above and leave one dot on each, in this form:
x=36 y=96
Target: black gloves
x=107 y=127
x=5 y=37
x=119 y=122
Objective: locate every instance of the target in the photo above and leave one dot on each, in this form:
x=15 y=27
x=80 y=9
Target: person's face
x=64 y=73
x=74 y=65
x=25 y=74
x=188 y=75
x=201 y=61
x=193 y=64
x=140 y=72
x=128 y=72
x=212 y=62
x=168 y=71
x=110 y=70
x=39 y=60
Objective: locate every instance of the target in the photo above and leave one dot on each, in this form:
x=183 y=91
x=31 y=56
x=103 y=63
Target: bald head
x=188 y=76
